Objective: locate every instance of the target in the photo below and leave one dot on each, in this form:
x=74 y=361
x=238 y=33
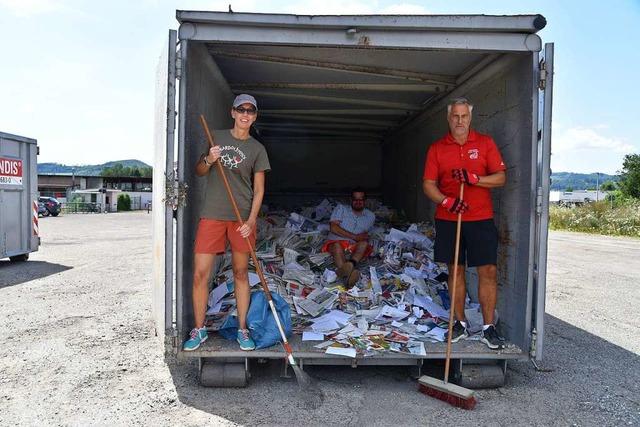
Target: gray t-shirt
x=241 y=158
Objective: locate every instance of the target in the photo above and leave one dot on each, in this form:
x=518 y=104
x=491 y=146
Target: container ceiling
x=352 y=77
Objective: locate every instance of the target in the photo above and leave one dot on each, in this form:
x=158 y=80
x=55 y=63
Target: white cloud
x=588 y=139
x=32 y=7
x=587 y=150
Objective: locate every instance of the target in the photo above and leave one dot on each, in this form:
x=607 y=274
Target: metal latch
x=542 y=83
x=175 y=191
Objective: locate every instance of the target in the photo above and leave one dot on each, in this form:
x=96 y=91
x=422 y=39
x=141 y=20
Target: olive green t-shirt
x=241 y=158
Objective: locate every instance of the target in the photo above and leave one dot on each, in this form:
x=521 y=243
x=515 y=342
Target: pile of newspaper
x=399 y=303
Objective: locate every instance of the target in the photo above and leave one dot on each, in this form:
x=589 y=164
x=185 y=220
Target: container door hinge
x=542 y=83
x=532 y=352
x=178 y=64
x=538 y=200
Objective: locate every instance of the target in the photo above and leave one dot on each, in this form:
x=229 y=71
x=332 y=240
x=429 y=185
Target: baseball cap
x=244 y=99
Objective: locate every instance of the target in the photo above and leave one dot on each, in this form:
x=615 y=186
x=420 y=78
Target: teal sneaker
x=196 y=337
x=246 y=343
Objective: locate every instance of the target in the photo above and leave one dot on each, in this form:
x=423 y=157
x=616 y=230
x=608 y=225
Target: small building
x=576 y=198
x=100 y=192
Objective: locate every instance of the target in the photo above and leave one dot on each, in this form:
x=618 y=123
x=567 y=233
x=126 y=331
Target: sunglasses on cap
x=242 y=110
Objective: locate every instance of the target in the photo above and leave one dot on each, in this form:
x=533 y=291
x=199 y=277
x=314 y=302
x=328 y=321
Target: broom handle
x=253 y=252
x=453 y=289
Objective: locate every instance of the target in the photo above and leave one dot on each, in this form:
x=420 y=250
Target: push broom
x=312 y=396
x=434 y=387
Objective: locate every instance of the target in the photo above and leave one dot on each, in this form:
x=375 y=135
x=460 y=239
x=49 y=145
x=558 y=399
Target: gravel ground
x=77 y=347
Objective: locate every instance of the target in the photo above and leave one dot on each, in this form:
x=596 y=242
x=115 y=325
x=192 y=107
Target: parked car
x=42 y=209
x=51 y=204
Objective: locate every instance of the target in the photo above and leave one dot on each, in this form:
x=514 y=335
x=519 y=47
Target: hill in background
x=560 y=181
x=85 y=170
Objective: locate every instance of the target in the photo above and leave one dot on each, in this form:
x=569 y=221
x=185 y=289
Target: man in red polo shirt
x=471 y=158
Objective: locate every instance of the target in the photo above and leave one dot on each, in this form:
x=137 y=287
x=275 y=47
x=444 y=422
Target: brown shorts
x=213 y=234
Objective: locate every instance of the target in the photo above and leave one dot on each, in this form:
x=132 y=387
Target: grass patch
x=598 y=218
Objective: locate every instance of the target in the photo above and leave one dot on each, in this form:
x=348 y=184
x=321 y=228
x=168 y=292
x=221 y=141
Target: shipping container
x=346 y=100
x=18 y=197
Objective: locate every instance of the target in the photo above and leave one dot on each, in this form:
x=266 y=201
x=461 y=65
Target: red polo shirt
x=478 y=155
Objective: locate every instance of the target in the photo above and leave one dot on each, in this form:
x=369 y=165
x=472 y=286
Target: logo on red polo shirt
x=473 y=154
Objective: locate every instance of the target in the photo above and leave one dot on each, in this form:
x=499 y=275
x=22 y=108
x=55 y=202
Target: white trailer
x=374 y=88
x=18 y=197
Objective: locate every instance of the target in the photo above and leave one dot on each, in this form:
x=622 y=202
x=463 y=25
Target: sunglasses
x=358 y=199
x=242 y=110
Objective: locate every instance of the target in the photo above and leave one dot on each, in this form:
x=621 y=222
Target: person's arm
x=202 y=167
x=335 y=228
x=431 y=190
x=258 y=195
x=492 y=181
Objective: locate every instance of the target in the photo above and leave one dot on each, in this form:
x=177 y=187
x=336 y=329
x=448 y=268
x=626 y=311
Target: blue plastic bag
x=264 y=330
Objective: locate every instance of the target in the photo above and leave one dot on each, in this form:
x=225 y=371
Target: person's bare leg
x=242 y=289
x=461 y=292
x=359 y=249
x=200 y=291
x=488 y=292
x=337 y=251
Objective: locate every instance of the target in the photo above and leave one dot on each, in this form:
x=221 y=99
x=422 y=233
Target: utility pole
x=597 y=185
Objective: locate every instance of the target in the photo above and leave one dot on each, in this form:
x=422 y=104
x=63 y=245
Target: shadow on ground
x=14 y=273
x=590 y=382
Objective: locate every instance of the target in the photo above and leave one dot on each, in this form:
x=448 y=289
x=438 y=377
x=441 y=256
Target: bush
x=124 y=202
x=598 y=218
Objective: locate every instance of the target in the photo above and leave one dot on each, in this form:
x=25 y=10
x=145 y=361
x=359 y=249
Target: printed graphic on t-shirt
x=473 y=153
x=231 y=156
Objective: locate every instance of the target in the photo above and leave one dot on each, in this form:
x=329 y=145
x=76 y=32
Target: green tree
x=115 y=170
x=569 y=188
x=124 y=202
x=608 y=186
x=630 y=176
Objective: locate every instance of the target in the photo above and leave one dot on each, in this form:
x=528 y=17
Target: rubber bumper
x=214 y=374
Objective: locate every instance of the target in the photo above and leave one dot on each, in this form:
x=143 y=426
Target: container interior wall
x=304 y=171
x=503 y=110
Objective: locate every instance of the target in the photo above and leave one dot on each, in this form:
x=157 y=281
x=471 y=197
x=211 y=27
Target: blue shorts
x=478 y=242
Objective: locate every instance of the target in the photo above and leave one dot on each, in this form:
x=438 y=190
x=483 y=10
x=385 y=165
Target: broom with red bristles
x=443 y=390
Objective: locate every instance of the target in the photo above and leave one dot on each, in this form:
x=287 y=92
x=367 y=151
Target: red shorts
x=347 y=246
x=212 y=236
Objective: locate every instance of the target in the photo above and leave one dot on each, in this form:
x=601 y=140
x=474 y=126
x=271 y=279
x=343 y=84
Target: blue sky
x=79 y=75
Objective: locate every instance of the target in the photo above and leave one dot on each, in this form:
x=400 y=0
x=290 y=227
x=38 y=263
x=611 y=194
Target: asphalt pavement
x=77 y=347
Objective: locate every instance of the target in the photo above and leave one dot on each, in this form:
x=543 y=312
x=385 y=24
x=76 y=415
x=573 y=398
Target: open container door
x=163 y=194
x=542 y=205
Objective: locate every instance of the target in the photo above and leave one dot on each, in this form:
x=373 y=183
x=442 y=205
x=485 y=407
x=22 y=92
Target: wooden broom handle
x=453 y=289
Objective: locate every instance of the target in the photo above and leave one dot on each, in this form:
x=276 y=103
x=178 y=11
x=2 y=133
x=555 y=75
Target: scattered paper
x=434 y=309
x=318 y=301
x=391 y=313
x=312 y=336
x=340 y=351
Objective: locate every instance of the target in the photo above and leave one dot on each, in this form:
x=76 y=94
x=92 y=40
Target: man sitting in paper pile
x=349 y=234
